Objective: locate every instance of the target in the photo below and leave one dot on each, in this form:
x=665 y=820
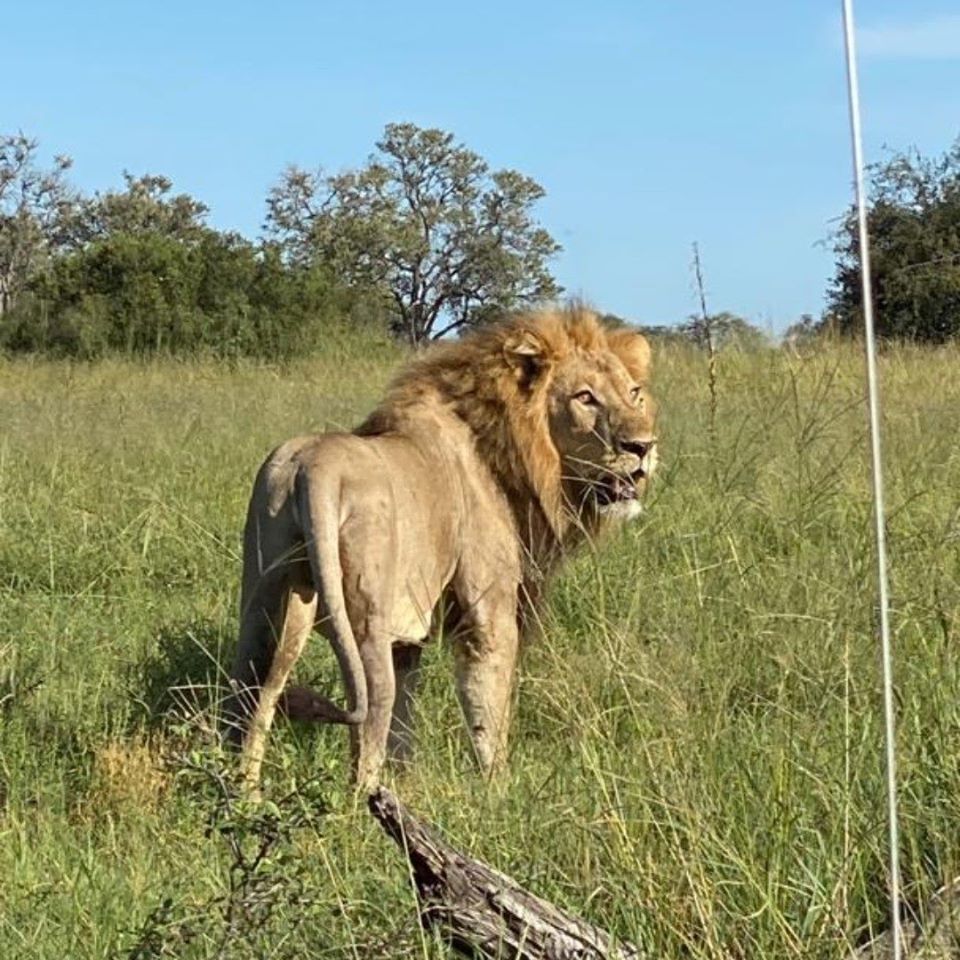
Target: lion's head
x=589 y=389
x=559 y=407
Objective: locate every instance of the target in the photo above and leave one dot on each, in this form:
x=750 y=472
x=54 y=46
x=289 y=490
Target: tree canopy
x=424 y=238
x=145 y=206
x=426 y=222
x=38 y=213
x=137 y=270
x=914 y=228
x=723 y=330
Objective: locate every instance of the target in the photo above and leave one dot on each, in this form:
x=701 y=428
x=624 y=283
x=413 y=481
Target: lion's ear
x=526 y=355
x=633 y=349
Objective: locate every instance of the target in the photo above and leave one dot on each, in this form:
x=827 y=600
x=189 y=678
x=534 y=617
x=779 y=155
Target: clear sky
x=650 y=124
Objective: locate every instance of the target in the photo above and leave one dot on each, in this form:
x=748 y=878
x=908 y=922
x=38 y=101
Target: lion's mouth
x=619 y=489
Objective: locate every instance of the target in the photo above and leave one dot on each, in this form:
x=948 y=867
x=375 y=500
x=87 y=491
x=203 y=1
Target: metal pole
x=853 y=92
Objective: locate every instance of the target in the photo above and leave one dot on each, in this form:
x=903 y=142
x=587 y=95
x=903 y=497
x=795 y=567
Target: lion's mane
x=507 y=417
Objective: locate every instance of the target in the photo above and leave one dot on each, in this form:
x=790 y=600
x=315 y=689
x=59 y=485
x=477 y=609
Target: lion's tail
x=319 y=515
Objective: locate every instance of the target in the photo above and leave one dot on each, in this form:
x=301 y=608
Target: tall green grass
x=697 y=757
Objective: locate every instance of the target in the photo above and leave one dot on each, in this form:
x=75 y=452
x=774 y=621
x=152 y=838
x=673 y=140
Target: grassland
x=697 y=759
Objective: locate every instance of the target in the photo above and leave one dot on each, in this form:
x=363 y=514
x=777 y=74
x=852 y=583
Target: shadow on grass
x=185 y=675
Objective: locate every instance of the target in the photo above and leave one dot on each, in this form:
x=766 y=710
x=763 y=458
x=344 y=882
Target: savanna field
x=696 y=760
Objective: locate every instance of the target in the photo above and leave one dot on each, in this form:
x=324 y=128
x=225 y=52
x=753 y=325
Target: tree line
x=424 y=240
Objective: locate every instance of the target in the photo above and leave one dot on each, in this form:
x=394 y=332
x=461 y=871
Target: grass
x=697 y=758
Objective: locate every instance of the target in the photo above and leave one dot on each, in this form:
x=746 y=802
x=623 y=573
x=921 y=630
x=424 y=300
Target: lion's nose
x=639 y=448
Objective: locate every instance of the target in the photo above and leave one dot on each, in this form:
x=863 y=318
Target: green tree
x=806 y=331
x=137 y=270
x=914 y=228
x=122 y=293
x=145 y=206
x=38 y=214
x=425 y=222
x=726 y=330
x=152 y=293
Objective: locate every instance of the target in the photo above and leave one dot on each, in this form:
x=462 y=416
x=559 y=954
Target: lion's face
x=602 y=423
x=599 y=413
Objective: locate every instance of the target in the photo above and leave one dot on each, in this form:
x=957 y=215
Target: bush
x=154 y=294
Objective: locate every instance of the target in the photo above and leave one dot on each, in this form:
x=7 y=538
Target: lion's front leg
x=486 y=660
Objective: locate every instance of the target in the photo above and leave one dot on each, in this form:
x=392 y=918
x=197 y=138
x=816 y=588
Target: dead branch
x=482 y=912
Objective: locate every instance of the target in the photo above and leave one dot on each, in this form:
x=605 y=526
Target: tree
x=150 y=293
x=914 y=228
x=145 y=206
x=726 y=329
x=806 y=331
x=137 y=270
x=425 y=222
x=38 y=213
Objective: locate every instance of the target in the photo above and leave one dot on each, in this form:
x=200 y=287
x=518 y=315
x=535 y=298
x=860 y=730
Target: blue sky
x=650 y=124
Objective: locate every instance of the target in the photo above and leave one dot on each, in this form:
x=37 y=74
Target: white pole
x=877 y=470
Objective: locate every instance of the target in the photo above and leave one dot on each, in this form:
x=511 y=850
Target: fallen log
x=481 y=912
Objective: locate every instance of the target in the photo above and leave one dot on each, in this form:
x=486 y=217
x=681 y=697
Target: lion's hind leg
x=296 y=623
x=406 y=668
x=368 y=740
x=260 y=625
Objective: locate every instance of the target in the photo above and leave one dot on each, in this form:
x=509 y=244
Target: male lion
x=487 y=461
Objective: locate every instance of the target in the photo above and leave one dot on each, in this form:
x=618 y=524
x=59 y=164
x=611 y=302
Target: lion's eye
x=635 y=394
x=586 y=397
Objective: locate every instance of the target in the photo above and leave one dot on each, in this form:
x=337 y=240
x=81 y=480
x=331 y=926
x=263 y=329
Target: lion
x=489 y=459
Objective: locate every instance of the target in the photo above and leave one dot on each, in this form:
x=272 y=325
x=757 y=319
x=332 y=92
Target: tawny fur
x=487 y=461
